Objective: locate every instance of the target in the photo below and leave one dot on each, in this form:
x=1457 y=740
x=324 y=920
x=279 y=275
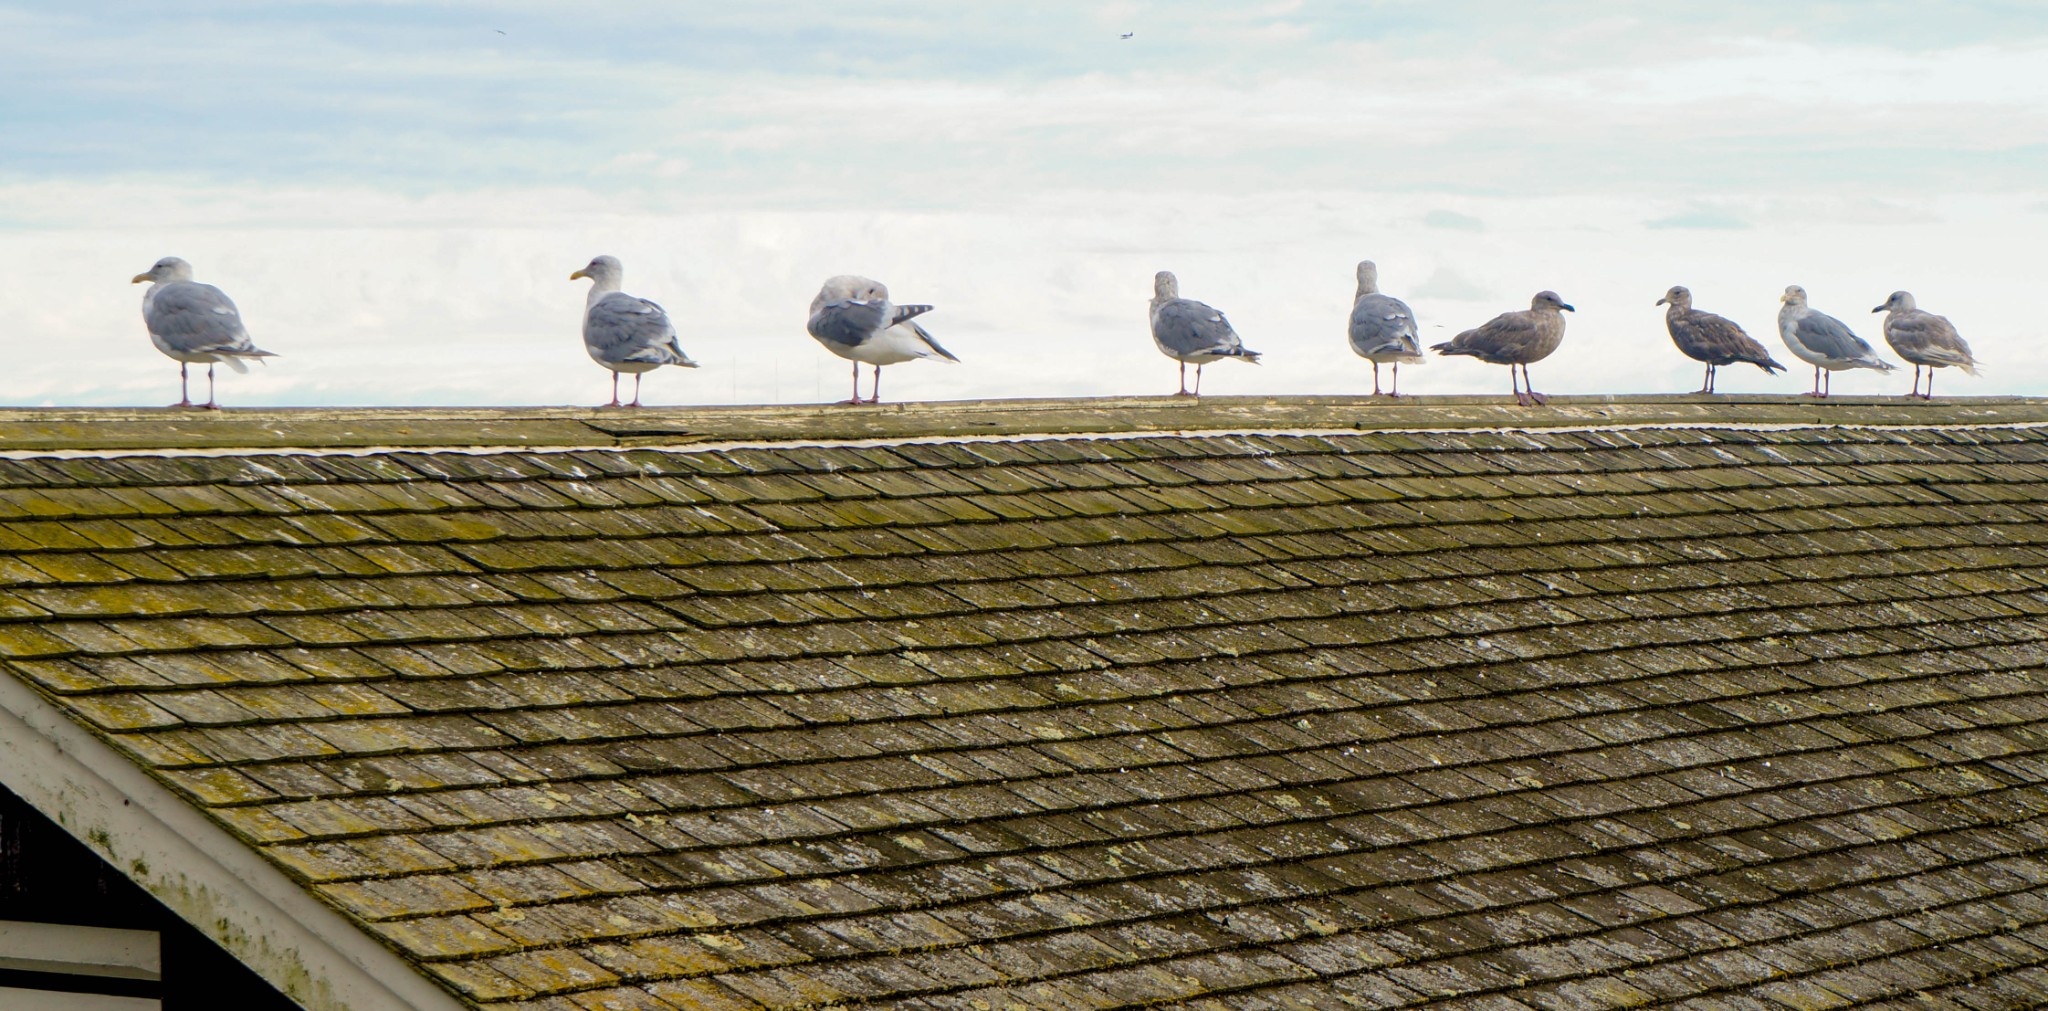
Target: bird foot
x=855 y=402
x=1814 y=393
x=184 y=403
x=1185 y=393
x=209 y=406
x=1533 y=397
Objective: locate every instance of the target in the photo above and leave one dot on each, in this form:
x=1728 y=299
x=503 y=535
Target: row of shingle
x=286 y=484
x=1367 y=889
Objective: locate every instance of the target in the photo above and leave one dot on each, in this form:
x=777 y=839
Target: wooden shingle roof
x=1724 y=714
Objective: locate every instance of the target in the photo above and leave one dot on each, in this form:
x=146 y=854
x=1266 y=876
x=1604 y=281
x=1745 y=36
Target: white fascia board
x=80 y=951
x=211 y=879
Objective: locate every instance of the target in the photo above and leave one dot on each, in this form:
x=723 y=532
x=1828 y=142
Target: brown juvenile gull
x=1705 y=337
x=1382 y=328
x=1924 y=339
x=1191 y=332
x=1823 y=341
x=1515 y=339
x=854 y=319
x=193 y=322
x=624 y=333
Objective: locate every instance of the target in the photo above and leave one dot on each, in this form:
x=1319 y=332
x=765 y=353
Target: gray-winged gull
x=1382 y=328
x=1822 y=341
x=1924 y=339
x=1191 y=332
x=853 y=317
x=193 y=323
x=1705 y=337
x=1515 y=339
x=624 y=333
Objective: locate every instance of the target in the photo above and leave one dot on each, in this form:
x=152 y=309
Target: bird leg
x=875 y=389
x=856 y=385
x=184 y=386
x=1530 y=385
x=1707 y=384
x=1929 y=395
x=1815 y=392
x=1393 y=390
x=1376 y=379
x=636 y=388
x=212 y=402
x=1184 y=381
x=1515 y=383
x=1198 y=379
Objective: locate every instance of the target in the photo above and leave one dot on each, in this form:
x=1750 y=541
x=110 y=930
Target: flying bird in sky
x=1127 y=35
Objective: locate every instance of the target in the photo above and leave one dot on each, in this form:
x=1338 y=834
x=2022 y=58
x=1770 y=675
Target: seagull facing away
x=1924 y=339
x=1705 y=337
x=1515 y=339
x=192 y=323
x=1191 y=332
x=853 y=317
x=1382 y=329
x=623 y=333
x=1822 y=341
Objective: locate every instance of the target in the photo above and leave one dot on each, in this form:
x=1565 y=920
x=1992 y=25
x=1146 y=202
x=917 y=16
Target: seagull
x=1823 y=341
x=1924 y=339
x=1191 y=332
x=623 y=333
x=193 y=322
x=1382 y=328
x=1515 y=339
x=853 y=317
x=1127 y=35
x=1705 y=337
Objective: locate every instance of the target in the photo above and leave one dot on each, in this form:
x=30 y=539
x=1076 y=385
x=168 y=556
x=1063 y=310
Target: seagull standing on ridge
x=1515 y=339
x=1191 y=332
x=1705 y=337
x=1924 y=339
x=192 y=323
x=1822 y=341
x=1382 y=328
x=854 y=319
x=624 y=333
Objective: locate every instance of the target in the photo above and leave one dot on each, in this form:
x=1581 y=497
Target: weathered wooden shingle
x=1654 y=717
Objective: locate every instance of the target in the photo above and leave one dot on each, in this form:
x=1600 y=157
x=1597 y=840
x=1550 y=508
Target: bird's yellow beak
x=139 y=278
x=579 y=274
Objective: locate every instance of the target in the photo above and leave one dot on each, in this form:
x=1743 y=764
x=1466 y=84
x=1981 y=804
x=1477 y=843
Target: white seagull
x=624 y=333
x=854 y=319
x=194 y=323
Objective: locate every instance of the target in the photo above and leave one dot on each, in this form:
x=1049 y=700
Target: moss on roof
x=1602 y=717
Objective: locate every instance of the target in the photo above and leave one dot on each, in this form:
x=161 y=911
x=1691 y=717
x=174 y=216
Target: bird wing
x=924 y=335
x=195 y=318
x=848 y=323
x=1926 y=339
x=1185 y=326
x=621 y=328
x=1382 y=324
x=1831 y=338
x=1717 y=339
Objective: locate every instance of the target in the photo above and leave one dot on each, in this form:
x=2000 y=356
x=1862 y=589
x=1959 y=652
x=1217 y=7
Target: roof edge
x=204 y=874
x=50 y=430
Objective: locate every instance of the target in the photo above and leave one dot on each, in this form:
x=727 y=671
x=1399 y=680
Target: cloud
x=1699 y=218
x=1448 y=284
x=1440 y=218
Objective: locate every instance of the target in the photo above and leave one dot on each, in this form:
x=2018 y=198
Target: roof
x=1254 y=704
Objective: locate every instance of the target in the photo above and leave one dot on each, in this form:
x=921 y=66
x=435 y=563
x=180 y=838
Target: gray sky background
x=395 y=193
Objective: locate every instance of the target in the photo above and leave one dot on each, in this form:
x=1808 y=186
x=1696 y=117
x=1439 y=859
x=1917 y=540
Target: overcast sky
x=395 y=193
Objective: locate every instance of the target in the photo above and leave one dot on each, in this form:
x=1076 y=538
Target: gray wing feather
x=621 y=328
x=923 y=334
x=849 y=324
x=1189 y=327
x=1826 y=335
x=194 y=317
x=1382 y=324
x=1927 y=339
